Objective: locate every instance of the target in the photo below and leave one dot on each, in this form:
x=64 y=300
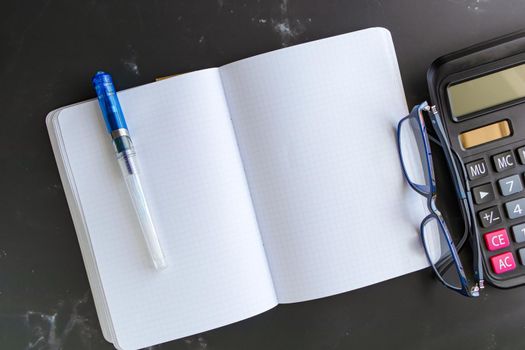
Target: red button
x=503 y=263
x=497 y=239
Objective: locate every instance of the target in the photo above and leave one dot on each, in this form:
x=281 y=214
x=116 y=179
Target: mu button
x=483 y=193
x=477 y=169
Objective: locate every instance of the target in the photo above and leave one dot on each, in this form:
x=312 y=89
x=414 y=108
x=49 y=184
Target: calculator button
x=497 y=240
x=503 y=161
x=510 y=185
x=483 y=193
x=515 y=209
x=521 y=154
x=521 y=253
x=518 y=232
x=503 y=263
x=477 y=169
x=490 y=217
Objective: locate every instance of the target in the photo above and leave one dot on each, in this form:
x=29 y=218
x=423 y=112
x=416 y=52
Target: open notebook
x=274 y=179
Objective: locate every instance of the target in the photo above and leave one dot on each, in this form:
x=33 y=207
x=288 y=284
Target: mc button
x=476 y=169
x=504 y=161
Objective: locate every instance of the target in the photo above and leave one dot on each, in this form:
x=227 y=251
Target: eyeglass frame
x=429 y=191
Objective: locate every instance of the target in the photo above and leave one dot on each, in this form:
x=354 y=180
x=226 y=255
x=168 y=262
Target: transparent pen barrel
x=129 y=167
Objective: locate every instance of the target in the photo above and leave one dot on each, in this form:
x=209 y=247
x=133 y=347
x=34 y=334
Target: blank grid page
x=315 y=124
x=197 y=191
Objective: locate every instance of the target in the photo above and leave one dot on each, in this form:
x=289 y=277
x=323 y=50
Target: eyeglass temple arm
x=465 y=195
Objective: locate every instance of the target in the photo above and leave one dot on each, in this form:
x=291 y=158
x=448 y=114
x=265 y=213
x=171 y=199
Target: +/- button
x=483 y=193
x=490 y=216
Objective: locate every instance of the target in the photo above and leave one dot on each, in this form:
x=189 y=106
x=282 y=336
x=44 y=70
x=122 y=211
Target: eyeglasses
x=441 y=248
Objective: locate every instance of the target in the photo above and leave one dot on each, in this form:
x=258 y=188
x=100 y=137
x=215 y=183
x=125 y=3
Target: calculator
x=480 y=94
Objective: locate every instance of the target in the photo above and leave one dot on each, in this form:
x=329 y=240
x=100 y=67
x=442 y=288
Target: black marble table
x=48 y=51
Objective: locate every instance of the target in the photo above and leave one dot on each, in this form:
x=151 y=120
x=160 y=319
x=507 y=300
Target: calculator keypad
x=497 y=185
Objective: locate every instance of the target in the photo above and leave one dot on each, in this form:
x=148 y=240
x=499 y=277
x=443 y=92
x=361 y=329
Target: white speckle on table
x=283 y=28
x=201 y=39
x=32 y=345
x=196 y=342
x=132 y=66
x=202 y=342
x=130 y=62
x=286 y=27
x=288 y=30
x=284 y=7
x=47 y=333
x=475 y=6
x=492 y=343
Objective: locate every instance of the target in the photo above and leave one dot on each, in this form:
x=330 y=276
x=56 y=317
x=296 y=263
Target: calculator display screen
x=487 y=91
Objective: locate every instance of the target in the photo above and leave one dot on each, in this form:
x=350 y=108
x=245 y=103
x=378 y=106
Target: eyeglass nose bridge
x=432 y=205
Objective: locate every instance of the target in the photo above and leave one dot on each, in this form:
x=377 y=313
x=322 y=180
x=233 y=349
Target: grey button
x=483 y=193
x=490 y=216
x=477 y=169
x=515 y=209
x=521 y=154
x=518 y=232
x=504 y=161
x=521 y=253
x=510 y=185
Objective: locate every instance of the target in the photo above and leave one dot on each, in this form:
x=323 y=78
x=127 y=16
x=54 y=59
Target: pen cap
x=108 y=100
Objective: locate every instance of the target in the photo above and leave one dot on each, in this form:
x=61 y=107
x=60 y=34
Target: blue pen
x=126 y=156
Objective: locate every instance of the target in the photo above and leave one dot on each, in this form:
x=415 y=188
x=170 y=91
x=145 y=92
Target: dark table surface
x=48 y=53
